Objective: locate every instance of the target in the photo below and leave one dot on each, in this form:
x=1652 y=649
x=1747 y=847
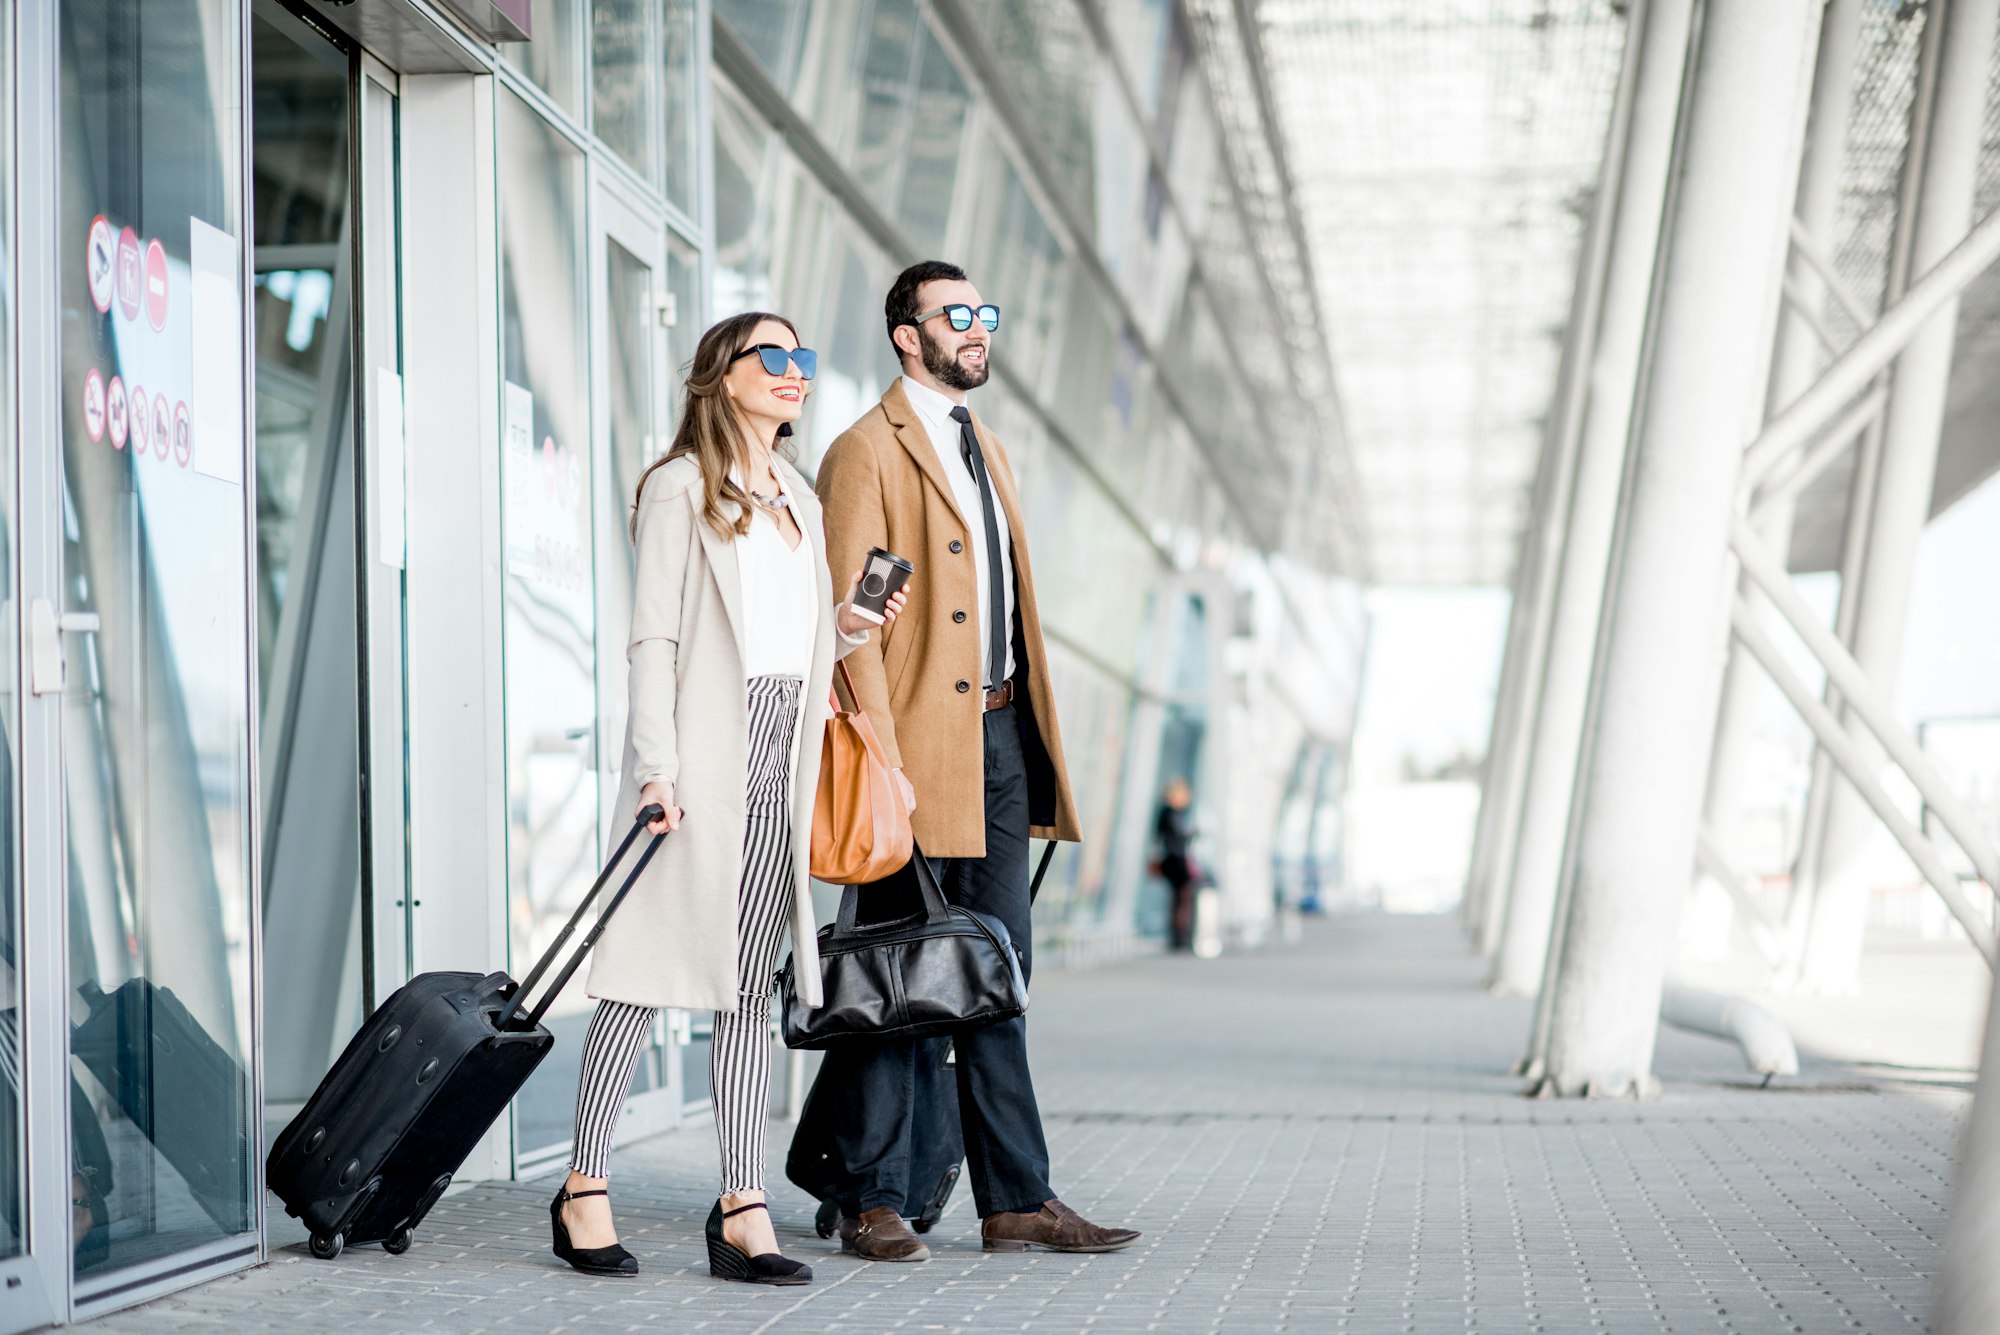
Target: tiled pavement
x=1319 y=1137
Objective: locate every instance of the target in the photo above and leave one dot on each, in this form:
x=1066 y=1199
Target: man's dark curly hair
x=901 y=307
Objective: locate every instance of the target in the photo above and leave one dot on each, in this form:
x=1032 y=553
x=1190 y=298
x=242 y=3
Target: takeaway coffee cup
x=881 y=575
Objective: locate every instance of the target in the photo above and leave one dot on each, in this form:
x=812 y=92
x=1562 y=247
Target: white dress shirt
x=780 y=601
x=934 y=410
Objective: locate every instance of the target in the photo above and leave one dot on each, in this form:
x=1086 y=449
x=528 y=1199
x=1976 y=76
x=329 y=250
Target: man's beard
x=946 y=369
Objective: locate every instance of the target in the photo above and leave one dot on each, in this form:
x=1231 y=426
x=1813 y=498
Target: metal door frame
x=34 y=1286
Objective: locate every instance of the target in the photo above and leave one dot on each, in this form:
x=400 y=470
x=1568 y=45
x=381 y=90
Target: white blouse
x=780 y=600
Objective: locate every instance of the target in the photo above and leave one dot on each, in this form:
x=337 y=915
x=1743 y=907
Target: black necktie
x=996 y=597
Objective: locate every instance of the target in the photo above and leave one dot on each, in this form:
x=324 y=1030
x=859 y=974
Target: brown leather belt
x=1000 y=697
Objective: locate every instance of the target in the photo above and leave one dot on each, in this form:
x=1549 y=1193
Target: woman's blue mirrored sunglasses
x=774 y=356
x=961 y=315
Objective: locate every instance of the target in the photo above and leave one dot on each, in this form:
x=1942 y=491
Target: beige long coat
x=918 y=682
x=673 y=942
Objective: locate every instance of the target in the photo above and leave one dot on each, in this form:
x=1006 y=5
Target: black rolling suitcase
x=378 y=1142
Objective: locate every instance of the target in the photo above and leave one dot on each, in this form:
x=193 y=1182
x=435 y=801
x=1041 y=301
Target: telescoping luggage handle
x=647 y=815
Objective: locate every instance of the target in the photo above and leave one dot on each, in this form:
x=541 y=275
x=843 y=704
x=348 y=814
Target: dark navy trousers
x=864 y=1135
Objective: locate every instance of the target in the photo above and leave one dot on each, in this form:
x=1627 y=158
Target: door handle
x=46 y=668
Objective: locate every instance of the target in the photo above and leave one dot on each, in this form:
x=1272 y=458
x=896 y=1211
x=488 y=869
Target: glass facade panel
x=628 y=372
x=1050 y=63
x=156 y=722
x=549 y=621
x=682 y=103
x=624 y=77
x=684 y=286
x=554 y=60
x=936 y=144
x=773 y=30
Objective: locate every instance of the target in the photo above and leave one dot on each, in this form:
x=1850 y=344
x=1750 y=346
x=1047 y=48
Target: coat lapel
x=915 y=437
x=722 y=563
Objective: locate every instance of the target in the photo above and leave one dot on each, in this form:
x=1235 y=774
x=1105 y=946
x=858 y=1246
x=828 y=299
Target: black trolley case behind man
x=378 y=1142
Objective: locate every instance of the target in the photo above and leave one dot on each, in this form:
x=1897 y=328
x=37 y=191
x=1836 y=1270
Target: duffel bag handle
x=935 y=907
x=647 y=815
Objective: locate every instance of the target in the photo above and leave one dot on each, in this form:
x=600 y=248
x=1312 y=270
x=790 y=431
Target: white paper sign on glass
x=217 y=351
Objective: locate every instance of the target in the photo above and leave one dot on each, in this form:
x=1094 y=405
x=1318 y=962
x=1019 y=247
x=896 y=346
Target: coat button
x=956 y=546
x=964 y=686
x=958 y=615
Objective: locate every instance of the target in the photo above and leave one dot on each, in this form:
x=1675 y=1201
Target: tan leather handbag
x=861 y=814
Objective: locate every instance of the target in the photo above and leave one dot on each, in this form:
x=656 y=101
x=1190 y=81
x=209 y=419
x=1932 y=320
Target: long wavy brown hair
x=710 y=429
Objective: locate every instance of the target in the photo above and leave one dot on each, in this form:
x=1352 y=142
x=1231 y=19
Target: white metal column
x=1968 y=1297
x=1906 y=473
x=1798 y=359
x=1656 y=58
x=1507 y=743
x=1660 y=672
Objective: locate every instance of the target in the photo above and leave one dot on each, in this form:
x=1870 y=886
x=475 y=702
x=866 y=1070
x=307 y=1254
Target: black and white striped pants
x=739 y=1061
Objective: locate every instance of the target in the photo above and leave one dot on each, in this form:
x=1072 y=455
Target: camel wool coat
x=883 y=486
x=673 y=942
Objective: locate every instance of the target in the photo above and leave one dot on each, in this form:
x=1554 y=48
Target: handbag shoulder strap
x=1048 y=855
x=842 y=679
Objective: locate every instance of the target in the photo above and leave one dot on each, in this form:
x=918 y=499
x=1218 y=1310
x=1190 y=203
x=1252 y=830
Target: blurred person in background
x=1172 y=862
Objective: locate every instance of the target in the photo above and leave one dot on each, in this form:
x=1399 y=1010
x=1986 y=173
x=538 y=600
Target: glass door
x=329 y=586
x=307 y=576
x=634 y=311
x=139 y=621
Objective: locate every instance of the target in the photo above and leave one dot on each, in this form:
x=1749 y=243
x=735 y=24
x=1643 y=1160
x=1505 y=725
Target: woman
x=734 y=633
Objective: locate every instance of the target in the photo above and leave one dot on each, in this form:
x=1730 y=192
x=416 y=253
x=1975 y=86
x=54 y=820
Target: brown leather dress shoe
x=881 y=1235
x=1057 y=1228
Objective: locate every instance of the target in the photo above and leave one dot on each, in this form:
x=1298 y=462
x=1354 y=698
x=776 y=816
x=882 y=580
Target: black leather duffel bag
x=941 y=969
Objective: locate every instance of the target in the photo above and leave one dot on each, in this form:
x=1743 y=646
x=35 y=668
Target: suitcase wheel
x=398 y=1242
x=933 y=1212
x=326 y=1246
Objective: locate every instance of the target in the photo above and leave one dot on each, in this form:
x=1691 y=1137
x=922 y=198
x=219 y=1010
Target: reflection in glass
x=554 y=60
x=549 y=623
x=308 y=645
x=773 y=30
x=629 y=322
x=622 y=66
x=156 y=714
x=683 y=87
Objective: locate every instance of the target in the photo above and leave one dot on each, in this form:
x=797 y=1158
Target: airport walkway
x=1317 y=1137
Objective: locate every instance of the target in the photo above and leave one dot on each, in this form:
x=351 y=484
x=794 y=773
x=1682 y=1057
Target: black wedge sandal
x=612 y=1260
x=727 y=1261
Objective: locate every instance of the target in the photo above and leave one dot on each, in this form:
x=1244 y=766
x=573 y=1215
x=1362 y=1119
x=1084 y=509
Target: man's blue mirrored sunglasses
x=961 y=315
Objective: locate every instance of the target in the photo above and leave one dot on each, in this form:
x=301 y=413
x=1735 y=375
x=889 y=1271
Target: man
x=958 y=691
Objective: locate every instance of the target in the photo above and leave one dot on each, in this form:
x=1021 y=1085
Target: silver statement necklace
x=781 y=501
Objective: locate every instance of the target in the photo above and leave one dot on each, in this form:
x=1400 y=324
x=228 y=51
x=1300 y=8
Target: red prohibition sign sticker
x=156 y=284
x=140 y=421
x=163 y=426
x=100 y=261
x=93 y=404
x=183 y=436
x=117 y=413
x=131 y=281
